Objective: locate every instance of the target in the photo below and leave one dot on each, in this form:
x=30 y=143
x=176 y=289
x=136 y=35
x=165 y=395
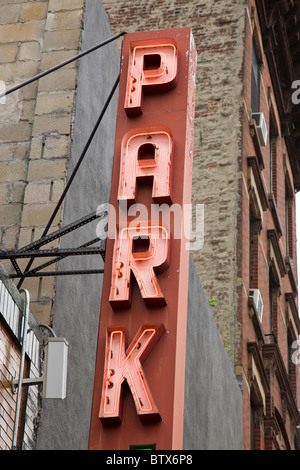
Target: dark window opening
x=254 y=233
x=272 y=299
x=254 y=82
x=271 y=166
x=289 y=211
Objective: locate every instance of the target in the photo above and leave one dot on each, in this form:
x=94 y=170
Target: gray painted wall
x=213 y=406
x=213 y=415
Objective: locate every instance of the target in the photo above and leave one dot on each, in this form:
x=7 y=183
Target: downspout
x=42 y=325
x=21 y=373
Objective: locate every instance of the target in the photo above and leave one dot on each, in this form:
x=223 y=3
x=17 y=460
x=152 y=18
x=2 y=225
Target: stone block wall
x=36 y=126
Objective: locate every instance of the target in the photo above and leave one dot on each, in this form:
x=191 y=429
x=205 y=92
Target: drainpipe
x=21 y=373
x=42 y=325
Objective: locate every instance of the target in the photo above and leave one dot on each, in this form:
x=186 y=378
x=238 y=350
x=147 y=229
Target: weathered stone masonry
x=36 y=125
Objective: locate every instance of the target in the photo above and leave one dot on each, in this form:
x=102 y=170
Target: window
x=271 y=163
x=251 y=250
x=287 y=226
x=289 y=209
x=273 y=166
x=271 y=305
x=274 y=290
x=273 y=136
x=256 y=411
x=252 y=426
x=254 y=82
x=254 y=232
x=292 y=374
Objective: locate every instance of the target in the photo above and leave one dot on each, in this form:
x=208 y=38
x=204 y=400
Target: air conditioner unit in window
x=256 y=295
x=261 y=127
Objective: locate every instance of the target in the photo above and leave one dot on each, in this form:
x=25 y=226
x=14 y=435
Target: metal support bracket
x=29 y=381
x=33 y=250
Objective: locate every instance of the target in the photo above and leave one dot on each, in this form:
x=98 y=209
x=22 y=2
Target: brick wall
x=36 y=125
x=268 y=254
x=9 y=368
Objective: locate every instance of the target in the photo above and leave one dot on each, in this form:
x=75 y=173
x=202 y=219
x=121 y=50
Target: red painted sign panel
x=140 y=365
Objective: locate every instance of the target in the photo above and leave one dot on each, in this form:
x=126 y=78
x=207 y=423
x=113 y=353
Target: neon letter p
x=152 y=67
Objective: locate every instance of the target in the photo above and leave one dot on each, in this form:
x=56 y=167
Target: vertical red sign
x=140 y=365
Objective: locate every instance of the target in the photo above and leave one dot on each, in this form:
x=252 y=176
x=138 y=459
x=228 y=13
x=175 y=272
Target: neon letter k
x=121 y=365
